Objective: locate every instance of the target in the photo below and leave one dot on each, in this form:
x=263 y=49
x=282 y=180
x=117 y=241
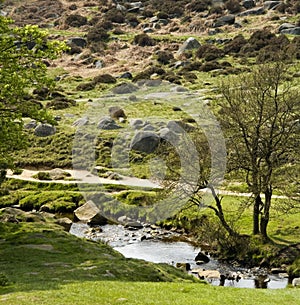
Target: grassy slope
x=45 y=265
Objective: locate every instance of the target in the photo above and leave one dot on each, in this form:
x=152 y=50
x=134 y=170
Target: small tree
x=23 y=52
x=260 y=117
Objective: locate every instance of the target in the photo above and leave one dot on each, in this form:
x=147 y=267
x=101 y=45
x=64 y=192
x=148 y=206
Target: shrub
x=235 y=45
x=97 y=34
x=3 y=280
x=105 y=79
x=164 y=57
x=75 y=20
x=143 y=40
x=86 y=86
x=115 y=16
x=233 y=6
x=209 y=52
x=42 y=176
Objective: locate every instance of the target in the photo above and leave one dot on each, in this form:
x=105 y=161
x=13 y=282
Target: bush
x=86 y=86
x=235 y=45
x=115 y=16
x=3 y=280
x=209 y=52
x=97 y=34
x=75 y=20
x=143 y=40
x=42 y=176
x=164 y=57
x=233 y=6
x=104 y=79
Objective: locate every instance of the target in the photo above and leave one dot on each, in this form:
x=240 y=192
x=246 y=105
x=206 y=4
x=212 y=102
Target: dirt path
x=83 y=176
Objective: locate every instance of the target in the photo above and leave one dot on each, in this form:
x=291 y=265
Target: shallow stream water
x=156 y=249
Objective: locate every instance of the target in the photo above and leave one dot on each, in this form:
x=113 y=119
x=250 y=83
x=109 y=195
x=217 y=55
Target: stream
x=151 y=243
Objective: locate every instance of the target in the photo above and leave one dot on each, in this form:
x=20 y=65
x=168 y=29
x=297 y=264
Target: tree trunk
x=219 y=212
x=256 y=213
x=265 y=217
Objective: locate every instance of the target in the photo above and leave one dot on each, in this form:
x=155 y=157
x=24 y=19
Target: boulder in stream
x=201 y=258
x=90 y=213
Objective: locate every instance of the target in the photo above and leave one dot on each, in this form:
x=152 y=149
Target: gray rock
x=124 y=88
x=78 y=41
x=202 y=258
x=65 y=222
x=296 y=282
x=248 y=4
x=133 y=224
x=90 y=214
x=254 y=11
x=168 y=135
x=148 y=30
x=99 y=64
x=58 y=174
x=44 y=130
x=32 y=124
x=107 y=123
x=293 y=31
x=145 y=141
x=136 y=123
x=190 y=44
x=285 y=26
x=81 y=122
x=179 y=126
x=126 y=75
x=269 y=5
x=148 y=127
x=224 y=20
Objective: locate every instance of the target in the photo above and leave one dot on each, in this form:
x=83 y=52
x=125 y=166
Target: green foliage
x=54 y=201
x=3 y=279
x=141 y=198
x=23 y=55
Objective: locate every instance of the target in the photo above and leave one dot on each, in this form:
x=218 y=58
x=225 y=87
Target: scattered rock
x=248 y=4
x=224 y=20
x=44 y=130
x=107 y=123
x=136 y=123
x=58 y=174
x=190 y=44
x=32 y=124
x=65 y=222
x=145 y=141
x=169 y=135
x=292 y=31
x=90 y=214
x=81 y=122
x=134 y=225
x=296 y=282
x=269 y=5
x=201 y=258
x=253 y=11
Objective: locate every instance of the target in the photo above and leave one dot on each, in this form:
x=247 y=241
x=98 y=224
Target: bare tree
x=259 y=112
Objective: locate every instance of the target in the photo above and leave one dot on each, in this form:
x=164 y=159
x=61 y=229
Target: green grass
x=141 y=293
x=44 y=265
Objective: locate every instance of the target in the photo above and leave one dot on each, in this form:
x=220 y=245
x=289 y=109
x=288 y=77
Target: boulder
x=179 y=126
x=65 y=222
x=116 y=112
x=202 y=258
x=296 y=282
x=292 y=31
x=248 y=4
x=107 y=123
x=285 y=26
x=77 y=41
x=190 y=44
x=169 y=135
x=254 y=11
x=32 y=124
x=90 y=214
x=145 y=141
x=269 y=5
x=126 y=75
x=81 y=122
x=44 y=130
x=58 y=174
x=133 y=224
x=224 y=20
x=136 y=123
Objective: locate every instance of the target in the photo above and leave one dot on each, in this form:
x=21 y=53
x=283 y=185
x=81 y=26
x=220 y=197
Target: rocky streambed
x=152 y=243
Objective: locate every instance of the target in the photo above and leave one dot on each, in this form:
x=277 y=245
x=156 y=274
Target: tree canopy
x=260 y=118
x=24 y=54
